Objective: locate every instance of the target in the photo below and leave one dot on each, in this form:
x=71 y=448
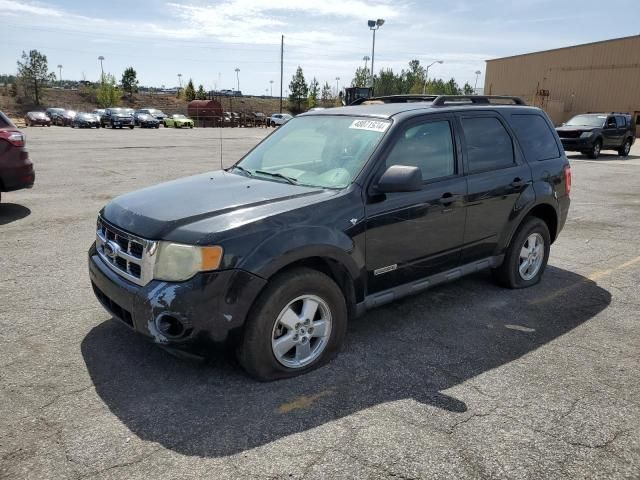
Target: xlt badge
x=382 y=270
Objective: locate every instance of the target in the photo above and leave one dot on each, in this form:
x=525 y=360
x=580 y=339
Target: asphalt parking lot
x=467 y=380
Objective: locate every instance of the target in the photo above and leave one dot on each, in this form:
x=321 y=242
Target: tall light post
x=426 y=75
x=366 y=58
x=374 y=25
x=237 y=70
x=337 y=88
x=101 y=58
x=180 y=81
x=475 y=86
x=60 y=77
x=271 y=82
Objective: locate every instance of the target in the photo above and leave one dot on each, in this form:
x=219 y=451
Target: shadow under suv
x=590 y=133
x=336 y=212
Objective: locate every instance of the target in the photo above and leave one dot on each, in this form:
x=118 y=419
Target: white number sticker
x=372 y=125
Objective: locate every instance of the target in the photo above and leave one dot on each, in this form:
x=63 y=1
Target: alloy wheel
x=301 y=331
x=531 y=256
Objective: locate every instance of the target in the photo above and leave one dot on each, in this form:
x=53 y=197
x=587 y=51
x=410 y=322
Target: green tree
x=190 y=91
x=201 y=94
x=326 y=94
x=467 y=89
x=130 y=81
x=33 y=71
x=314 y=93
x=361 y=77
x=298 y=90
x=107 y=93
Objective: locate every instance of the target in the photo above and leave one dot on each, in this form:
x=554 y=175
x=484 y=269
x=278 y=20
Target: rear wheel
x=130 y=127
x=297 y=324
x=595 y=150
x=526 y=257
x=625 y=149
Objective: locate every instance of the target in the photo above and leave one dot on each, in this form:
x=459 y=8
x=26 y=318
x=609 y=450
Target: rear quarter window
x=535 y=137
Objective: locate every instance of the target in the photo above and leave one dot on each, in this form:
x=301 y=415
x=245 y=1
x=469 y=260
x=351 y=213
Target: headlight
x=586 y=134
x=176 y=262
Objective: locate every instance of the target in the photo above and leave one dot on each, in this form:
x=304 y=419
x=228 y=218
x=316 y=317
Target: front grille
x=569 y=133
x=126 y=254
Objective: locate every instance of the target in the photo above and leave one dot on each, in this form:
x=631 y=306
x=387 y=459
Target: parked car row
x=107 y=117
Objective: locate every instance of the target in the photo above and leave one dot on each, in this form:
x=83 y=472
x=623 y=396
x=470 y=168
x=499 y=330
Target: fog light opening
x=170 y=326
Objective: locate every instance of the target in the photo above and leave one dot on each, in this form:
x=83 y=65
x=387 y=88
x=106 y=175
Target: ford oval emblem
x=111 y=249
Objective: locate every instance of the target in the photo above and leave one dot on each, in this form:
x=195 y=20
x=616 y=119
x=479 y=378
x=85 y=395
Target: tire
x=113 y=127
x=625 y=149
x=595 y=150
x=190 y=126
x=130 y=127
x=158 y=125
x=256 y=351
x=508 y=274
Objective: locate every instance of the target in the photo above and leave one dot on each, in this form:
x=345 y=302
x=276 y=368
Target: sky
x=208 y=40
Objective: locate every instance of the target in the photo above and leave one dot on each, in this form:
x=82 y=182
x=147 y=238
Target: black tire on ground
x=508 y=274
x=158 y=125
x=595 y=150
x=113 y=127
x=625 y=149
x=190 y=126
x=255 y=352
x=130 y=127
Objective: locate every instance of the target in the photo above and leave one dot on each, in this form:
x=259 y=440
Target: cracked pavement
x=467 y=380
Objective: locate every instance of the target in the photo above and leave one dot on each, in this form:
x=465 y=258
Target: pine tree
x=201 y=94
x=190 y=91
x=33 y=72
x=298 y=89
x=130 y=81
x=314 y=93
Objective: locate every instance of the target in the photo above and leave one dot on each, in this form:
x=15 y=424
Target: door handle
x=448 y=198
x=518 y=182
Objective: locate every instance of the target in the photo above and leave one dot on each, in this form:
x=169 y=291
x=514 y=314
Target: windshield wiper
x=242 y=169
x=292 y=181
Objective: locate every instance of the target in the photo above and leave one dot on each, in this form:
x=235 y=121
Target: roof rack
x=394 y=99
x=442 y=100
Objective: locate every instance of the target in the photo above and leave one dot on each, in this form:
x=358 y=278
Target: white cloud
x=11 y=6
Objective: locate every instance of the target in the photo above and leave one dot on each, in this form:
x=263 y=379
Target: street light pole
x=366 y=58
x=426 y=75
x=180 y=81
x=60 y=77
x=237 y=70
x=271 y=82
x=337 y=88
x=475 y=86
x=101 y=58
x=374 y=25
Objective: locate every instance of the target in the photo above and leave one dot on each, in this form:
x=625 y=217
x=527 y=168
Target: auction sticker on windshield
x=372 y=125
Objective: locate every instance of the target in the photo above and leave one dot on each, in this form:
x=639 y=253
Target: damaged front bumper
x=210 y=308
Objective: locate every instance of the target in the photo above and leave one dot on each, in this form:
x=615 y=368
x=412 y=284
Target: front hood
x=155 y=212
x=576 y=128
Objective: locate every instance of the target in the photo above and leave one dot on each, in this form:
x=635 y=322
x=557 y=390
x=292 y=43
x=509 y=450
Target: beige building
x=594 y=77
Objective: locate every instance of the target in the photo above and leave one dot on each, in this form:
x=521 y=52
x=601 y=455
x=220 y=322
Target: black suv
x=336 y=212
x=590 y=133
x=117 y=118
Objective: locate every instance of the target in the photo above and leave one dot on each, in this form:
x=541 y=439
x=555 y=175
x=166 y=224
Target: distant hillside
x=75 y=100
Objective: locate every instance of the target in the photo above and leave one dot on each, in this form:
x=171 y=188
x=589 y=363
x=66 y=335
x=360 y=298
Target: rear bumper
x=212 y=306
x=17 y=178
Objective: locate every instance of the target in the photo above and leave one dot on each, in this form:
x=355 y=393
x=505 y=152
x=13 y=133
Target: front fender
x=294 y=244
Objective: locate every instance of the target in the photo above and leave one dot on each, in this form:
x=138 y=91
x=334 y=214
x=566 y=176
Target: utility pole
x=281 y=69
x=60 y=77
x=337 y=88
x=271 y=82
x=237 y=70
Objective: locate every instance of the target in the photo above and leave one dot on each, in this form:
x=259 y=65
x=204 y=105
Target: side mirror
x=400 y=178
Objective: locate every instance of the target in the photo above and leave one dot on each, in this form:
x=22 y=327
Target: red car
x=32 y=119
x=16 y=170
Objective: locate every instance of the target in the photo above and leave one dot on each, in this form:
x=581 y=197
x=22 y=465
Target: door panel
x=411 y=235
x=488 y=143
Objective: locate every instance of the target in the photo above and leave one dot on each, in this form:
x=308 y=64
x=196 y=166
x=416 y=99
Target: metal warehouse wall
x=602 y=76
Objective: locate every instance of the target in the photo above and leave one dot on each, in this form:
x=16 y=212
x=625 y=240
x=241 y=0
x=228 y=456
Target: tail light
x=567 y=179
x=16 y=139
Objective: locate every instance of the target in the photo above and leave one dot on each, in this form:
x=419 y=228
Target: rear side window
x=5 y=122
x=535 y=136
x=489 y=145
x=621 y=122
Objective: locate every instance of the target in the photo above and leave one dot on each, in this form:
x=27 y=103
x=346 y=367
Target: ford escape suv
x=336 y=212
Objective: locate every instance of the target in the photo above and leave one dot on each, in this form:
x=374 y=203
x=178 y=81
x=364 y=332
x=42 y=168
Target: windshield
x=324 y=151
x=178 y=116
x=587 y=121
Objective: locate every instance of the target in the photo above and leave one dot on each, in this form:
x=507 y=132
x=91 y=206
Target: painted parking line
x=594 y=277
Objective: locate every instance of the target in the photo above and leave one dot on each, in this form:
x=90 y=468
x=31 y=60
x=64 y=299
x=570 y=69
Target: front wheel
x=625 y=149
x=595 y=150
x=130 y=127
x=297 y=324
x=526 y=257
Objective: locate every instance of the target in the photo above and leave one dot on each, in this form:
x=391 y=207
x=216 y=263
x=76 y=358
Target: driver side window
x=428 y=146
